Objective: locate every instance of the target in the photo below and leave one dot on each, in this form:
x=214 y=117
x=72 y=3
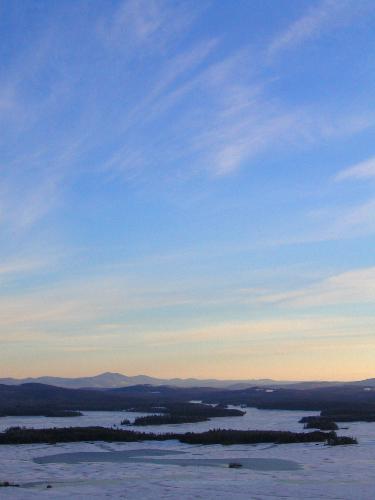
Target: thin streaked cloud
x=360 y=171
x=351 y=287
x=323 y=16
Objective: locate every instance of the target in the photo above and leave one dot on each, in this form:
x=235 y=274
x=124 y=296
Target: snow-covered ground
x=342 y=472
x=102 y=418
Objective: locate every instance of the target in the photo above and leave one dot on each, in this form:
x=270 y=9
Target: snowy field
x=152 y=470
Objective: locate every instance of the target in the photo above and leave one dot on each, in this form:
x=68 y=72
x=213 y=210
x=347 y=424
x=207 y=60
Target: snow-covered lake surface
x=253 y=419
x=173 y=470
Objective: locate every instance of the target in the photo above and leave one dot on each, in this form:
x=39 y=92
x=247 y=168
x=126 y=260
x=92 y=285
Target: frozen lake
x=147 y=456
x=253 y=419
x=173 y=470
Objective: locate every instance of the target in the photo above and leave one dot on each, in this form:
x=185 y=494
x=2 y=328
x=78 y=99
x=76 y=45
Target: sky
x=187 y=189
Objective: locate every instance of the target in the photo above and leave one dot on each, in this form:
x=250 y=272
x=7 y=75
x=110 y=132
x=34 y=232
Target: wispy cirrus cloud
x=290 y=328
x=339 y=222
x=358 y=219
x=360 y=171
x=223 y=111
x=231 y=117
x=351 y=287
x=321 y=17
x=149 y=24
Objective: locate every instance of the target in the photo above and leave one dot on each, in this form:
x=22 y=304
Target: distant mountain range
x=111 y=380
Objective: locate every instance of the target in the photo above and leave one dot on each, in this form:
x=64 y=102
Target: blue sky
x=188 y=188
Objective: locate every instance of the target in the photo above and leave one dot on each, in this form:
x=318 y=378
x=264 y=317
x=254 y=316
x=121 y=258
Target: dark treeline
x=200 y=410
x=329 y=400
x=168 y=418
x=350 y=414
x=318 y=422
x=187 y=413
x=38 y=412
x=44 y=400
x=18 y=435
x=341 y=440
x=222 y=436
x=342 y=413
x=39 y=399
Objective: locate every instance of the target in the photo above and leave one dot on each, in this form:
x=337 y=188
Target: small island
x=20 y=435
x=167 y=419
x=322 y=423
x=185 y=414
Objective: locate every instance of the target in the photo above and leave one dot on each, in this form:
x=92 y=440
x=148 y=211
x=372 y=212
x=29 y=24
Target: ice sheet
x=342 y=472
